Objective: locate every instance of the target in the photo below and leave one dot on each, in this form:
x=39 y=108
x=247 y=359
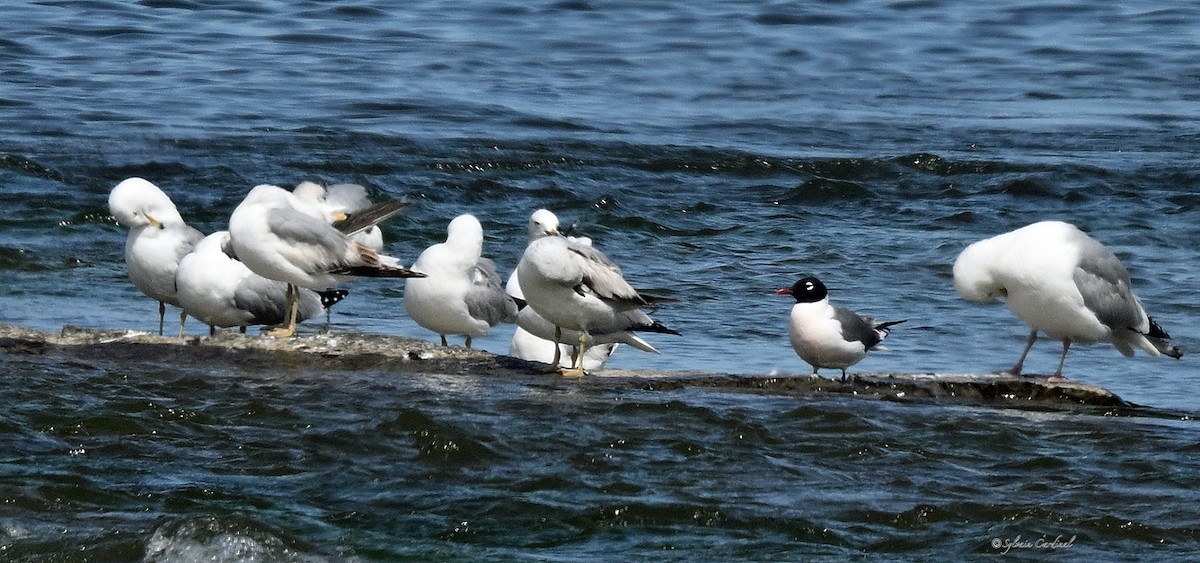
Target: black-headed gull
x=158 y=239
x=1064 y=283
x=826 y=336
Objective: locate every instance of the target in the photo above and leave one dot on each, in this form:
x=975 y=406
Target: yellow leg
x=577 y=369
x=288 y=329
x=468 y=342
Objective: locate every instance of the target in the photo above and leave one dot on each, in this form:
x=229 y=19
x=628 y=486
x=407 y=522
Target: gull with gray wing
x=158 y=239
x=461 y=293
x=826 y=336
x=1062 y=282
x=280 y=237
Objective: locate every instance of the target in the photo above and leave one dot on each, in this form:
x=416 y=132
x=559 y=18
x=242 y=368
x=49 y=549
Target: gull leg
x=1016 y=370
x=577 y=369
x=1058 y=376
x=212 y=330
x=468 y=341
x=328 y=317
x=843 y=374
x=182 y=317
x=288 y=329
x=162 y=314
x=553 y=367
x=444 y=343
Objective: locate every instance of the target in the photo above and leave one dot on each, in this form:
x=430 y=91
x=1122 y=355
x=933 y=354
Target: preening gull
x=338 y=203
x=280 y=237
x=158 y=239
x=826 y=336
x=1064 y=283
x=461 y=293
x=575 y=286
x=220 y=291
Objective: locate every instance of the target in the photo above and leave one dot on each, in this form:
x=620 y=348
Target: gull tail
x=637 y=342
x=379 y=271
x=374 y=265
x=655 y=327
x=886 y=328
x=1161 y=341
x=331 y=297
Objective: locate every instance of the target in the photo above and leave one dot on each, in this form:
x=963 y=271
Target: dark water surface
x=714 y=150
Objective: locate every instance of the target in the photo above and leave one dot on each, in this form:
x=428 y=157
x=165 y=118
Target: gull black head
x=807 y=289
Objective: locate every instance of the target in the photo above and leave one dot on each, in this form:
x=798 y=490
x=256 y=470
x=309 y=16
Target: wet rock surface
x=355 y=351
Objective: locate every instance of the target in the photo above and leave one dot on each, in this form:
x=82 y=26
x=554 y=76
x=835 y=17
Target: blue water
x=715 y=150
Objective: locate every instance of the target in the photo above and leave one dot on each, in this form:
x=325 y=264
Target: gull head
x=974 y=275
x=542 y=223
x=807 y=289
x=311 y=192
x=465 y=228
x=137 y=203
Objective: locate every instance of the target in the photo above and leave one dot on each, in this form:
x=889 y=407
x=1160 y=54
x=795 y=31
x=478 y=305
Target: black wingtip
x=1156 y=331
x=375 y=272
x=656 y=327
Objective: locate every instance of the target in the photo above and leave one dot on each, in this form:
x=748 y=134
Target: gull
x=220 y=291
x=158 y=239
x=337 y=203
x=461 y=293
x=280 y=237
x=533 y=338
x=574 y=286
x=1062 y=282
x=826 y=336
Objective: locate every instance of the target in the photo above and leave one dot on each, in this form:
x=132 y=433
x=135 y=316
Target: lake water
x=715 y=150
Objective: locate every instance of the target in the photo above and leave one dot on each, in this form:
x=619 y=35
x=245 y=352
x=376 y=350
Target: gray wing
x=856 y=328
x=486 y=299
x=603 y=277
x=309 y=243
x=1104 y=284
x=191 y=236
x=265 y=299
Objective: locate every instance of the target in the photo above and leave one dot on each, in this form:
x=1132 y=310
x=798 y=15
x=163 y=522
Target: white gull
x=575 y=286
x=1062 y=282
x=158 y=239
x=280 y=237
x=220 y=291
x=461 y=293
